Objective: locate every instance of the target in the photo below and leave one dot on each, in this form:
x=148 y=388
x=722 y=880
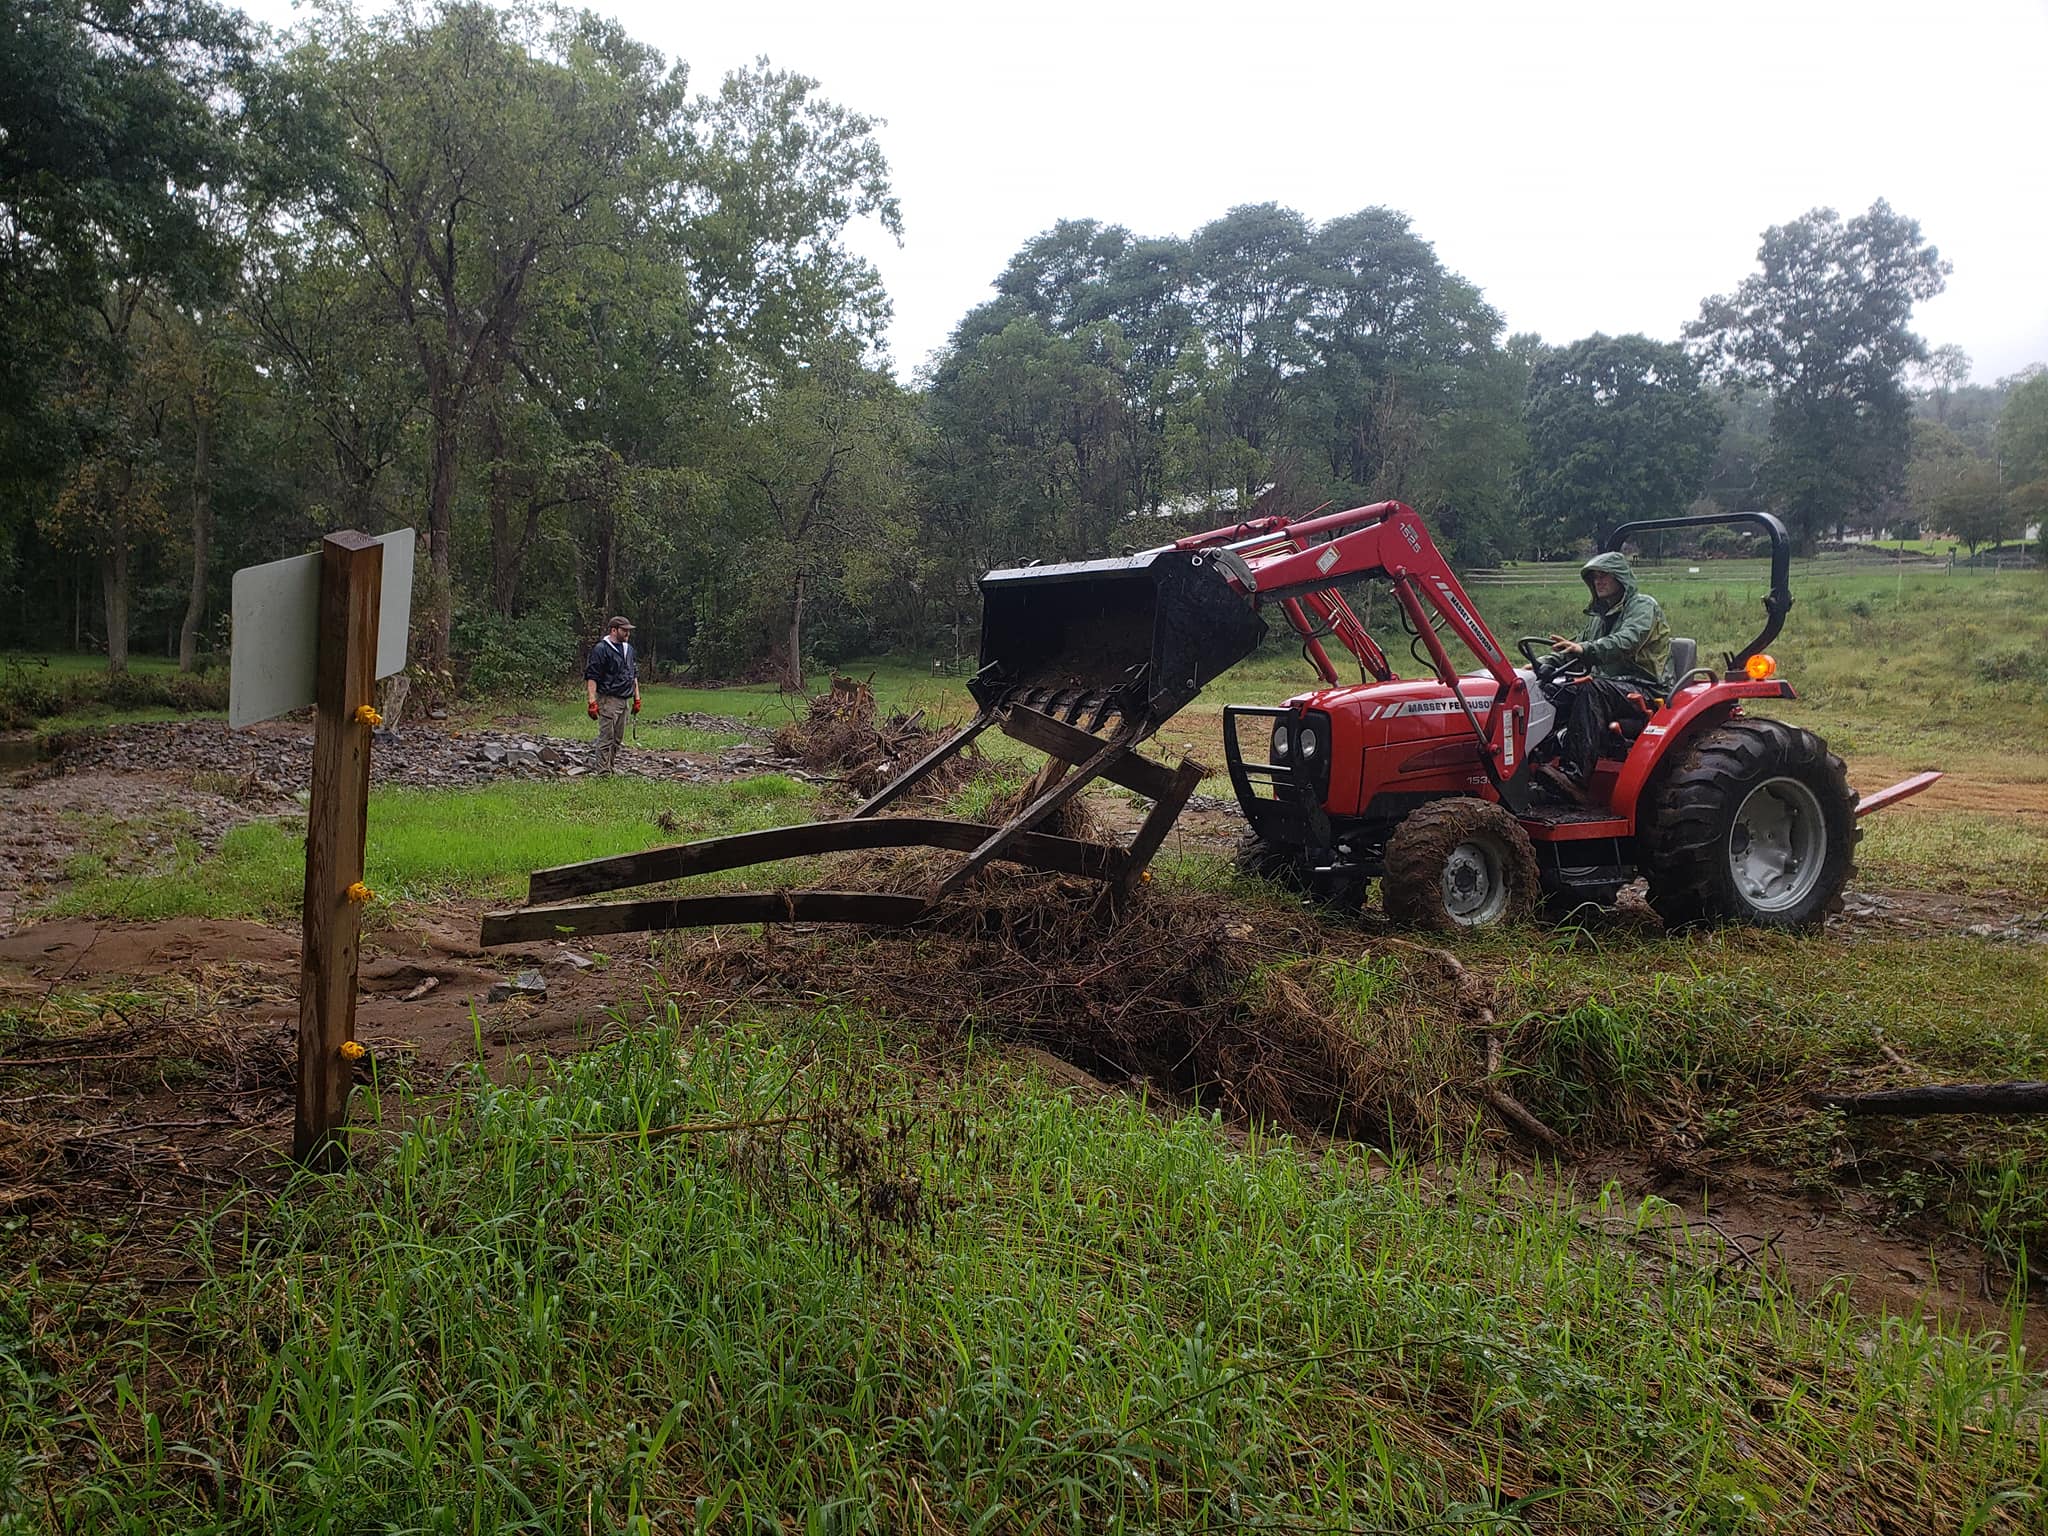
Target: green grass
x=1626 y=1039
x=1973 y=852
x=934 y=1304
x=65 y=666
x=66 y=692
x=427 y=845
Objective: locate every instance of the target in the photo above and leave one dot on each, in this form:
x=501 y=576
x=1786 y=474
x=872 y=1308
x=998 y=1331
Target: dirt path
x=1747 y=1221
x=148 y=1068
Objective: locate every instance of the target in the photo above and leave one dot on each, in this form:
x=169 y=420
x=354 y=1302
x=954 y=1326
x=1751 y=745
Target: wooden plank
x=1083 y=775
x=1165 y=811
x=337 y=823
x=1944 y=1099
x=1071 y=744
x=908 y=780
x=527 y=924
x=1063 y=855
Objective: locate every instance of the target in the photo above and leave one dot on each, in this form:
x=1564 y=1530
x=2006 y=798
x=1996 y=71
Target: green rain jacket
x=1631 y=640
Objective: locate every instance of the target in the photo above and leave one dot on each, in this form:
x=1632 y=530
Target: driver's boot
x=1559 y=784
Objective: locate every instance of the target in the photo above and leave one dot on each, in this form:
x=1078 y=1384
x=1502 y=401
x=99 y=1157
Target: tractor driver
x=1625 y=650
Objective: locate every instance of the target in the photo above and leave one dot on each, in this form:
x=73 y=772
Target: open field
x=942 y=1232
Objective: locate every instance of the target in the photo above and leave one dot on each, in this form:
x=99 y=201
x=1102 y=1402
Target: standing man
x=612 y=677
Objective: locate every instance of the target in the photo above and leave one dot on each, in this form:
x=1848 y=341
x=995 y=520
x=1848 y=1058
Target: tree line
x=506 y=276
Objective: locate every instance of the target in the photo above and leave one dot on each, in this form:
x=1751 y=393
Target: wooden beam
x=528 y=924
x=1165 y=811
x=910 y=778
x=1943 y=1099
x=337 y=824
x=1071 y=744
x=1084 y=774
x=1063 y=855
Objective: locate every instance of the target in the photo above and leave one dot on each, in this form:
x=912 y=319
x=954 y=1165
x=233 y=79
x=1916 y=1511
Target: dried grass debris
x=1191 y=991
x=840 y=734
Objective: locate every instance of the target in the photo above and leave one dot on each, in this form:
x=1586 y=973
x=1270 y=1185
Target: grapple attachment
x=1135 y=638
x=1081 y=662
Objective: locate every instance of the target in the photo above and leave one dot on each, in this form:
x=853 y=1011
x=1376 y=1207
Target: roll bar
x=1777 y=602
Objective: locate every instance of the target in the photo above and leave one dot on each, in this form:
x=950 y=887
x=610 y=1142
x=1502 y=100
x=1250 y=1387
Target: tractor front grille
x=1283 y=800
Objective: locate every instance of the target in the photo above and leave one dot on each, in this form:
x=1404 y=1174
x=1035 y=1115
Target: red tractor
x=1424 y=783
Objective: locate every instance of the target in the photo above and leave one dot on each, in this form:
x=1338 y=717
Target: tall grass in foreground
x=857 y=1294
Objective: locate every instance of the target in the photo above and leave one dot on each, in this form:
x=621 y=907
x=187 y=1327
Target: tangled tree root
x=1253 y=1010
x=839 y=734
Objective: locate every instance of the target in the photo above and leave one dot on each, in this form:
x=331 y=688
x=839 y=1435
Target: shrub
x=505 y=658
x=29 y=694
x=2013 y=666
x=1725 y=543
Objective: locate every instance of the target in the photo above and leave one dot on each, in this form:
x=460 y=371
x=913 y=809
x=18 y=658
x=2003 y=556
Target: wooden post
x=351 y=575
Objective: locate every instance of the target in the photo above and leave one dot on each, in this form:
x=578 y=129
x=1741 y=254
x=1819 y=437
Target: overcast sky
x=1590 y=166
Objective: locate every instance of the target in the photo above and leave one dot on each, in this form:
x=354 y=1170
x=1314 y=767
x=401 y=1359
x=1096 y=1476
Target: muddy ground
x=170 y=1088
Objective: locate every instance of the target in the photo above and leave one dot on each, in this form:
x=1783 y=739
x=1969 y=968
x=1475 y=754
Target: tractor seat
x=1685 y=655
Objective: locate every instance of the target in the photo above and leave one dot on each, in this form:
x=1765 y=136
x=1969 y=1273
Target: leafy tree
x=819 y=473
x=480 y=145
x=1940 y=461
x=2022 y=436
x=1946 y=369
x=1824 y=327
x=1619 y=428
x=1390 y=332
x=1039 y=441
x=1250 y=276
x=116 y=117
x=1974 y=509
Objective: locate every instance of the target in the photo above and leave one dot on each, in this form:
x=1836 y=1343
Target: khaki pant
x=611 y=730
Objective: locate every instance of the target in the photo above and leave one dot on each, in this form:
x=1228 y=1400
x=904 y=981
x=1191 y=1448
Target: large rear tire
x=1458 y=864
x=1755 y=823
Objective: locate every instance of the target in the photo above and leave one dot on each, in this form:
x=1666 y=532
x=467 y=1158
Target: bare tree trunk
x=795 y=672
x=607 y=554
x=114 y=586
x=440 y=519
x=202 y=531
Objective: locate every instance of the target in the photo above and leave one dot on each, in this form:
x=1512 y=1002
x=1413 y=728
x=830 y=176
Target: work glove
x=636 y=706
x=593 y=709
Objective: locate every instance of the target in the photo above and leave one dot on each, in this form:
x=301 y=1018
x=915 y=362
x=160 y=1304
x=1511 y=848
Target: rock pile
x=277 y=759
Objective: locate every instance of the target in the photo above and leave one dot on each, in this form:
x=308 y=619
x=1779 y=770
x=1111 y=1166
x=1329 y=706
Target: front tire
x=1755 y=823
x=1272 y=862
x=1458 y=864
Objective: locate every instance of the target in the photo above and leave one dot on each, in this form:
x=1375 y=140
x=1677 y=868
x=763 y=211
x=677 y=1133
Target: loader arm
x=1300 y=566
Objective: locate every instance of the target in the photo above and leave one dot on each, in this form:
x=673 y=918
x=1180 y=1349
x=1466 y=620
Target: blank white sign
x=275 y=653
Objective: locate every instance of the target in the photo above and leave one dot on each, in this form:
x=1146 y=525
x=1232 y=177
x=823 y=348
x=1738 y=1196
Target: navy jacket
x=614 y=669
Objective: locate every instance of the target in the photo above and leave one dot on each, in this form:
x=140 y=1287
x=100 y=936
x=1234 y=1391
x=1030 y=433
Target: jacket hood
x=1615 y=564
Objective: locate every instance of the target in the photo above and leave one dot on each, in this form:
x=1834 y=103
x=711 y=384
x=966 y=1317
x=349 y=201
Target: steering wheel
x=1552 y=670
x=1548 y=660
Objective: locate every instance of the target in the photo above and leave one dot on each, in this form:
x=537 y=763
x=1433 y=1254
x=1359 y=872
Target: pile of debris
x=839 y=735
x=1250 y=1008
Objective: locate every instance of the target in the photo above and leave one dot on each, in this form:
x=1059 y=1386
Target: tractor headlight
x=1310 y=743
x=1280 y=742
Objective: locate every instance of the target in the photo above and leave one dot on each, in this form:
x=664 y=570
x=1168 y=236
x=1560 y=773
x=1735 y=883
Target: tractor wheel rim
x=1475 y=883
x=1777 y=845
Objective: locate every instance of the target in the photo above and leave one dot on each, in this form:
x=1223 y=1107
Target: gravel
x=271 y=761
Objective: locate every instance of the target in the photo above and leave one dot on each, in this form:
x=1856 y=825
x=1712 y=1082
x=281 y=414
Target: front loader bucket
x=1136 y=637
